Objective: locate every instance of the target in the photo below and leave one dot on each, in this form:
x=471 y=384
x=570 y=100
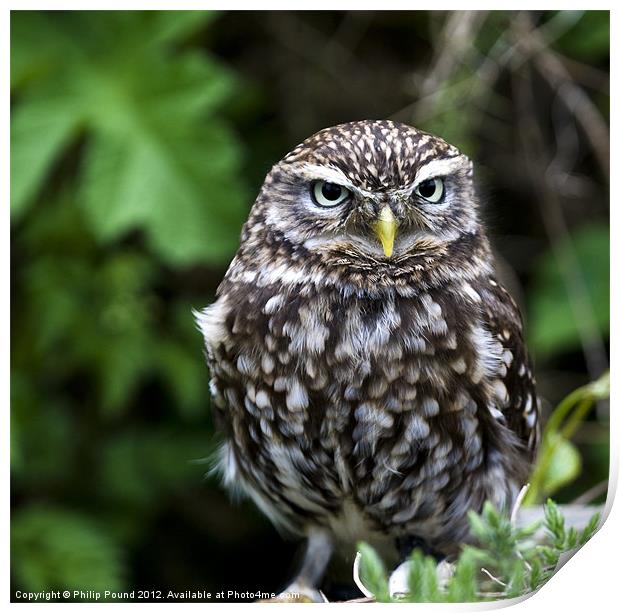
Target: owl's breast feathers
x=413 y=408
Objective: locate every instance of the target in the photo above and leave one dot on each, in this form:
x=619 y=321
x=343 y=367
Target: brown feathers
x=397 y=387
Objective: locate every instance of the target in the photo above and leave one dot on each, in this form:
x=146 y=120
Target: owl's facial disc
x=373 y=193
x=348 y=218
x=330 y=194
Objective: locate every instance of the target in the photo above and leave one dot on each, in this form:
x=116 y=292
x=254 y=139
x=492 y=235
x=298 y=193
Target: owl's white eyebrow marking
x=439 y=168
x=312 y=172
x=434 y=168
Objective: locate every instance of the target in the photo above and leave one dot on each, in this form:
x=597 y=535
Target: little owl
x=368 y=371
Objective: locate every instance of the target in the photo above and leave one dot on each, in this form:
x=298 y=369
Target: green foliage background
x=138 y=142
x=514 y=562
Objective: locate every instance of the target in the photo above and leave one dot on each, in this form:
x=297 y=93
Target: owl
x=368 y=370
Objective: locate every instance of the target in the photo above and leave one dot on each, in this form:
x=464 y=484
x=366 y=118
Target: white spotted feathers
x=348 y=383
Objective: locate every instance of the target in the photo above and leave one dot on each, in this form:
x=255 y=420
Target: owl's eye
x=328 y=194
x=431 y=190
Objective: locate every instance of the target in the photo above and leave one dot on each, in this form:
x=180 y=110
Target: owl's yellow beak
x=385 y=229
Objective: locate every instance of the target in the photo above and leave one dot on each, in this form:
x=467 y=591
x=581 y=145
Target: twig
x=555 y=224
x=593 y=493
x=577 y=101
x=513 y=518
x=452 y=51
x=356 y=576
x=453 y=47
x=588 y=76
x=518 y=503
x=492 y=577
x=479 y=84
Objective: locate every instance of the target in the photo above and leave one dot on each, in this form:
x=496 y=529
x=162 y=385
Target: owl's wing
x=503 y=319
x=212 y=323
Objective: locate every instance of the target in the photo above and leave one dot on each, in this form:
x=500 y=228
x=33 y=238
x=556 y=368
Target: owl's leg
x=406 y=544
x=319 y=548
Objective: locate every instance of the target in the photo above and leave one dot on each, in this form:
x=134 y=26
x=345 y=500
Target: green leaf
x=422 y=583
x=99 y=317
x=516 y=578
x=588 y=39
x=175 y=186
x=477 y=525
x=373 y=574
x=550 y=556
x=52 y=548
x=141 y=466
x=554 y=522
x=173 y=26
x=45 y=452
x=40 y=130
x=536 y=574
x=34 y=48
x=564 y=464
x=185 y=376
x=600 y=388
x=189 y=90
x=588 y=532
x=527 y=531
x=572 y=538
x=560 y=426
x=554 y=329
x=156 y=158
x=463 y=586
x=494 y=531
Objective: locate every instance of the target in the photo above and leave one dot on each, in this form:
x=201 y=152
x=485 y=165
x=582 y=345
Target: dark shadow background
x=139 y=141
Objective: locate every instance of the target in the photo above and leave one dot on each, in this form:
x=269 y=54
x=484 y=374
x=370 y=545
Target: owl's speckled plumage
x=366 y=396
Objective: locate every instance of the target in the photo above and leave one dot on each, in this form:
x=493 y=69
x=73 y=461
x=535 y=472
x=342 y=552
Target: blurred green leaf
x=558 y=462
x=98 y=317
x=564 y=466
x=372 y=573
x=43 y=435
x=553 y=325
x=156 y=159
x=588 y=532
x=185 y=377
x=177 y=25
x=588 y=39
x=174 y=186
x=463 y=586
x=126 y=473
x=40 y=130
x=422 y=580
x=52 y=548
x=138 y=467
x=34 y=48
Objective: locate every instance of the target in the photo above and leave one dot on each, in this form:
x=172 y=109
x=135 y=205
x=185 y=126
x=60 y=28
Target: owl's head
x=370 y=194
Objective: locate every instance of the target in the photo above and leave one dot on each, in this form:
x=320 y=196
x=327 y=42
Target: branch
x=538 y=165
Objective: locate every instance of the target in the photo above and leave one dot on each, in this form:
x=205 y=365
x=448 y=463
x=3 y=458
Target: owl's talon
x=298 y=593
x=399 y=579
